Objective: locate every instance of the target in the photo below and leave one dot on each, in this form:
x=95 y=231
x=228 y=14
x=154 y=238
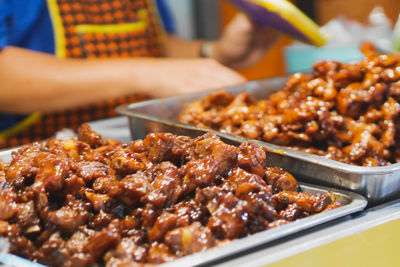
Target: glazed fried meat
x=345 y=112
x=93 y=202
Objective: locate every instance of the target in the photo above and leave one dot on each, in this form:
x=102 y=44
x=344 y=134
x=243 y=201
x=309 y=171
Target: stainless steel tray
x=351 y=202
x=378 y=184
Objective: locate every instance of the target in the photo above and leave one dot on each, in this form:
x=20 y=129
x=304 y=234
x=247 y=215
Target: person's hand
x=180 y=76
x=242 y=44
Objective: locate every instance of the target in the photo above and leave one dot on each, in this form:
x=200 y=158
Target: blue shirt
x=27 y=24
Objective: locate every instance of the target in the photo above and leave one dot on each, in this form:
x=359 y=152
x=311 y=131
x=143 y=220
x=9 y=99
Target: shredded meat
x=345 y=112
x=94 y=202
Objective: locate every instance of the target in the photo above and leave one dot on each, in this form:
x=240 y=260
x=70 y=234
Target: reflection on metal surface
x=277 y=151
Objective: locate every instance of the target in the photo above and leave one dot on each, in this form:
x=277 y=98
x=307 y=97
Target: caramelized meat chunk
x=164 y=146
x=128 y=249
x=27 y=218
x=69 y=217
x=165 y=222
x=87 y=135
x=160 y=253
x=280 y=179
x=52 y=171
x=8 y=206
x=133 y=187
x=308 y=202
x=212 y=147
x=103 y=240
x=252 y=158
x=244 y=183
x=190 y=239
x=230 y=218
x=198 y=173
x=166 y=186
x=90 y=170
x=53 y=252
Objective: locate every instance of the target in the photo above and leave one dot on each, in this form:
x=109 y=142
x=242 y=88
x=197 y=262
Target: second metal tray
x=378 y=184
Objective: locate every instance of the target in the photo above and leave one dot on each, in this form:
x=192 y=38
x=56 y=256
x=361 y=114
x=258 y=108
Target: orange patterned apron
x=93 y=29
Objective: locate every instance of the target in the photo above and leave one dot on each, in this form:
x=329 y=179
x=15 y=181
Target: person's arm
x=179 y=48
x=241 y=45
x=32 y=81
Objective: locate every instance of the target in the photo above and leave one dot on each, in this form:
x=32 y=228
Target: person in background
x=69 y=61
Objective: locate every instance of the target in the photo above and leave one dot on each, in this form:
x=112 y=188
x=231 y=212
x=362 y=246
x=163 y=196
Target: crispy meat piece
x=280 y=180
x=198 y=173
x=27 y=218
x=53 y=252
x=107 y=185
x=19 y=244
x=87 y=135
x=52 y=171
x=133 y=187
x=73 y=185
x=126 y=162
x=4 y=226
x=333 y=205
x=99 y=201
x=90 y=170
x=211 y=105
x=291 y=213
x=210 y=145
x=128 y=249
x=165 y=222
x=22 y=167
x=165 y=146
x=188 y=212
x=166 y=186
x=71 y=216
x=73 y=149
x=230 y=218
x=244 y=183
x=160 y=253
x=103 y=240
x=252 y=158
x=8 y=206
x=308 y=202
x=190 y=239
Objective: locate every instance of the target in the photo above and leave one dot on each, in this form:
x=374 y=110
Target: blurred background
x=198 y=19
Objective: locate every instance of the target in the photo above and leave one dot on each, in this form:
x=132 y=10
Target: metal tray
x=378 y=184
x=351 y=202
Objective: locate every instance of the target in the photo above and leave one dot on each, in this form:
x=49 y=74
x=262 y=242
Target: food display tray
x=351 y=203
x=377 y=184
